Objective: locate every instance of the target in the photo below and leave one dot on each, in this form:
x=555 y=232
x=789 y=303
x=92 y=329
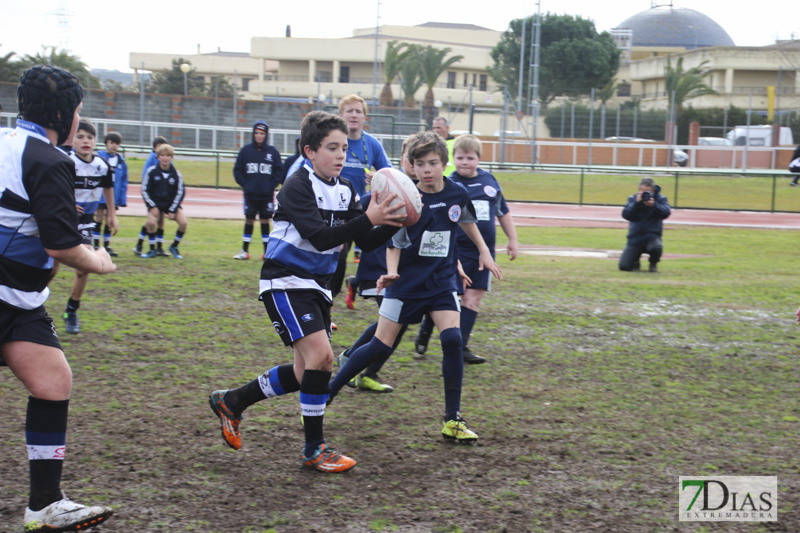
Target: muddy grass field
x=602 y=388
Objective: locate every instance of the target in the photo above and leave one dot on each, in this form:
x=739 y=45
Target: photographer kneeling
x=645 y=211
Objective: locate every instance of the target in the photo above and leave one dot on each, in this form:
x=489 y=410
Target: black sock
x=314 y=392
x=247 y=236
x=159 y=238
x=45 y=435
x=178 y=238
x=274 y=382
x=73 y=305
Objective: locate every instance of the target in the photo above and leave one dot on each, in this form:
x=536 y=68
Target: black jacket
x=646 y=222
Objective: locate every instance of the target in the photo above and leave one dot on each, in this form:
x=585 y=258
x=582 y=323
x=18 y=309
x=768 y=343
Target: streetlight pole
x=185 y=68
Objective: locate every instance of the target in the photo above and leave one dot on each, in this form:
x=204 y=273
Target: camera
x=646 y=195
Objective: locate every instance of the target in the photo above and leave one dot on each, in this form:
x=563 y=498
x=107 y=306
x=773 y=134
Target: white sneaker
x=65 y=515
x=242 y=255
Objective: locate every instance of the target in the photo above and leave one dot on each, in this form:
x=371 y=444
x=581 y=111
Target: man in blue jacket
x=258 y=171
x=646 y=211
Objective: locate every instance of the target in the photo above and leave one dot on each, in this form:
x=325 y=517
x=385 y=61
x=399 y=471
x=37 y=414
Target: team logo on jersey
x=342 y=200
x=454 y=213
x=171 y=180
x=490 y=191
x=268 y=157
x=434 y=244
x=308 y=317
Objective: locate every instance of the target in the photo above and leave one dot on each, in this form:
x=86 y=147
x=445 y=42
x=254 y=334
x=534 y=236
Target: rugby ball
x=387 y=181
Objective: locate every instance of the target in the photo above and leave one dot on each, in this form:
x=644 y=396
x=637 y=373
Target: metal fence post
x=580 y=195
x=677 y=179
x=774 y=184
x=217 y=158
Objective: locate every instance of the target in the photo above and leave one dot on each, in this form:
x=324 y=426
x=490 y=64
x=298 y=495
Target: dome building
x=674 y=27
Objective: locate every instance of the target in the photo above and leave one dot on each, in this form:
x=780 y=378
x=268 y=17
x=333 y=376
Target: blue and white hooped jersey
x=37 y=211
x=305 y=205
x=428 y=260
x=90 y=179
x=487 y=198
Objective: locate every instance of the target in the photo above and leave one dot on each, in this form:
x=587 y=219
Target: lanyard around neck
x=366 y=156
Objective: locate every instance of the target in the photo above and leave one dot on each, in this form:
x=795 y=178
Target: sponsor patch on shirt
x=481 y=209
x=490 y=191
x=434 y=243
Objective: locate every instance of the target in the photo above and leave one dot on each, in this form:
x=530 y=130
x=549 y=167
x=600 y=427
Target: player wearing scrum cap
x=39 y=223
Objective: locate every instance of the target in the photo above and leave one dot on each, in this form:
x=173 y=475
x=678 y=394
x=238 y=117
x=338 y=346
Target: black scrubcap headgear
x=48 y=96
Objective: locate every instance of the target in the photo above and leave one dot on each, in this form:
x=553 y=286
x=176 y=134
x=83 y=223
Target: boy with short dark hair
x=150 y=162
x=422 y=277
x=93 y=179
x=111 y=154
x=317 y=211
x=162 y=192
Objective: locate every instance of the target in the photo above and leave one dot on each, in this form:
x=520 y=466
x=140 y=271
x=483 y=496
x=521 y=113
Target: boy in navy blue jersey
x=112 y=140
x=150 y=163
x=94 y=180
x=487 y=197
x=258 y=171
x=422 y=277
x=163 y=192
x=371 y=267
x=317 y=211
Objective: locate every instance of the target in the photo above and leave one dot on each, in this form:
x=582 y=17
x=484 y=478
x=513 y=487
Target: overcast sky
x=104 y=33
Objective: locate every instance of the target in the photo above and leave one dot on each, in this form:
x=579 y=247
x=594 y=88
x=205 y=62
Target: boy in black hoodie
x=258 y=171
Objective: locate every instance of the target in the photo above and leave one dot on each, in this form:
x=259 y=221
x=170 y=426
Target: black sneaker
x=421 y=341
x=137 y=249
x=653 y=268
x=161 y=253
x=470 y=358
x=72 y=322
x=111 y=251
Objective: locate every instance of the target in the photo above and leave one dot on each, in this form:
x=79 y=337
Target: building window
x=482 y=86
x=624 y=89
x=466 y=84
x=344 y=74
x=474 y=79
x=451 y=80
x=245 y=84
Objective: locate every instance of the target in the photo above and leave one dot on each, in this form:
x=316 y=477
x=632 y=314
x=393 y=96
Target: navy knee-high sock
x=468 y=317
x=375 y=366
x=358 y=361
x=365 y=337
x=46 y=437
x=452 y=371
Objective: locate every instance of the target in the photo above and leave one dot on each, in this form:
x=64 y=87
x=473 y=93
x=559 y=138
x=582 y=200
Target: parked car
x=713 y=141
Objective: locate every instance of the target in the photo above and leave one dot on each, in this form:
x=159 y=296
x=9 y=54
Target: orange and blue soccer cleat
x=228 y=422
x=327 y=459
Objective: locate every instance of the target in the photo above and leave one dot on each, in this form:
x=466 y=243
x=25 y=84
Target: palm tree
x=9 y=71
x=410 y=79
x=431 y=65
x=50 y=55
x=686 y=85
x=392 y=63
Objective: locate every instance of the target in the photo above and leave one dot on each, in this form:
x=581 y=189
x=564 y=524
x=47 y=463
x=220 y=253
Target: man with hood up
x=258 y=171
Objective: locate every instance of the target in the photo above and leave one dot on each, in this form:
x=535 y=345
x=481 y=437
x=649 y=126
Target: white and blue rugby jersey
x=90 y=180
x=305 y=205
x=37 y=211
x=428 y=257
x=488 y=200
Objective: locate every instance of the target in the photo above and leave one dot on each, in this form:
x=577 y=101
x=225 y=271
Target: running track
x=227 y=204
